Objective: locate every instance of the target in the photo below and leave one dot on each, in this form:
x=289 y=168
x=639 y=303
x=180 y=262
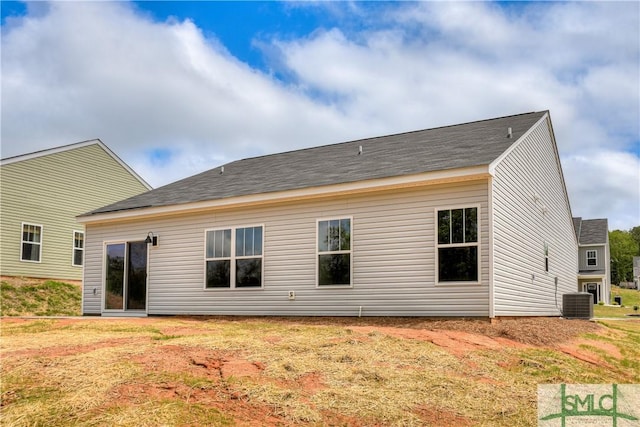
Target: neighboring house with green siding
x=41 y=194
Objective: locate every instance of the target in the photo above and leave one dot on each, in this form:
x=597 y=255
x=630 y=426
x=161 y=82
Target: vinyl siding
x=393 y=256
x=522 y=287
x=51 y=191
x=600 y=258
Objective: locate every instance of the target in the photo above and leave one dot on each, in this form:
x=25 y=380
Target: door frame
x=123 y=311
x=598 y=291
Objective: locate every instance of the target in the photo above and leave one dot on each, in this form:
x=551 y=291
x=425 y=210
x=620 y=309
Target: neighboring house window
x=592 y=258
x=234 y=262
x=334 y=252
x=458 y=245
x=78 y=248
x=31 y=244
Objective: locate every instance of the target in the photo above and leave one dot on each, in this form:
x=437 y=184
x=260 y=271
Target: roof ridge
x=371 y=138
x=450 y=147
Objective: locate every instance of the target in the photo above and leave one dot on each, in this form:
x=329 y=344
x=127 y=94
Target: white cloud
x=172 y=102
x=609 y=185
x=87 y=70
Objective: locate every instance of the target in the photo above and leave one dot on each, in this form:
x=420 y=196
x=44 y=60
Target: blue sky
x=175 y=88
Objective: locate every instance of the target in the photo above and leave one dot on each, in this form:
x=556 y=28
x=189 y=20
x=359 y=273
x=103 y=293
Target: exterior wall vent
x=577 y=305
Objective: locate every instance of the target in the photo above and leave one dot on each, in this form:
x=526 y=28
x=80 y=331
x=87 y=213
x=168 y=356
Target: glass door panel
x=114 y=277
x=137 y=276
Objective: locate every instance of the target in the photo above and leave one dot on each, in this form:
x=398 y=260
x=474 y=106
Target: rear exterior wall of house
x=393 y=253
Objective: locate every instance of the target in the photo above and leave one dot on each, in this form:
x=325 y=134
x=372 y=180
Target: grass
x=630 y=298
x=274 y=371
x=34 y=297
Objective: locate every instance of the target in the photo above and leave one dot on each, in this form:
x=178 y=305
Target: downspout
x=492 y=309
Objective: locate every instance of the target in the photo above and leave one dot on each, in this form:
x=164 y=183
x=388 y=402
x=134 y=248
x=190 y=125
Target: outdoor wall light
x=151 y=239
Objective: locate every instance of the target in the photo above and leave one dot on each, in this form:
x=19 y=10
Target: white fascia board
x=496 y=162
x=36 y=154
x=545 y=118
x=407 y=181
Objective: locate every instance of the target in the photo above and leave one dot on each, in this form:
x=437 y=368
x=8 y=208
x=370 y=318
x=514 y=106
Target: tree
x=635 y=234
x=623 y=248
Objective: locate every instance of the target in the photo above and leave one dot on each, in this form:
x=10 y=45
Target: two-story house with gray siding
x=464 y=220
x=594 y=275
x=41 y=195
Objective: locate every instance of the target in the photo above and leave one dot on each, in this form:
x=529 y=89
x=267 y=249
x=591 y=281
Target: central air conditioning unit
x=578 y=305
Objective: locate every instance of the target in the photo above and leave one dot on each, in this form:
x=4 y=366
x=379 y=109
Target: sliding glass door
x=137 y=276
x=125 y=276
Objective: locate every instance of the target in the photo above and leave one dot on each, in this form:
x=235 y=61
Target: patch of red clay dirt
x=180 y=331
x=440 y=418
x=240 y=368
x=311 y=382
x=230 y=404
x=70 y=350
x=574 y=348
x=213 y=365
x=455 y=342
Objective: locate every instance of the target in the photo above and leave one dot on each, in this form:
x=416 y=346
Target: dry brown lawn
x=186 y=371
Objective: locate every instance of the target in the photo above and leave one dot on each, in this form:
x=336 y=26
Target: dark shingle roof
x=450 y=147
x=591 y=231
x=577 y=222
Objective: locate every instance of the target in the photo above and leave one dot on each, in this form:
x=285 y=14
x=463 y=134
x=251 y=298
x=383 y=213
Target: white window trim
x=33 y=243
x=350 y=252
x=594 y=257
x=232 y=259
x=547 y=265
x=456 y=245
x=74 y=249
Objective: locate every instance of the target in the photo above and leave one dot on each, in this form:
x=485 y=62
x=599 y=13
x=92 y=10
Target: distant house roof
x=36 y=154
x=450 y=147
x=591 y=231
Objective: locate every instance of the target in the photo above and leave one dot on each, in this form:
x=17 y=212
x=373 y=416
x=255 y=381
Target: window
x=458 y=245
x=592 y=258
x=248 y=257
x=243 y=252
x=31 y=243
x=546 y=257
x=78 y=248
x=334 y=252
